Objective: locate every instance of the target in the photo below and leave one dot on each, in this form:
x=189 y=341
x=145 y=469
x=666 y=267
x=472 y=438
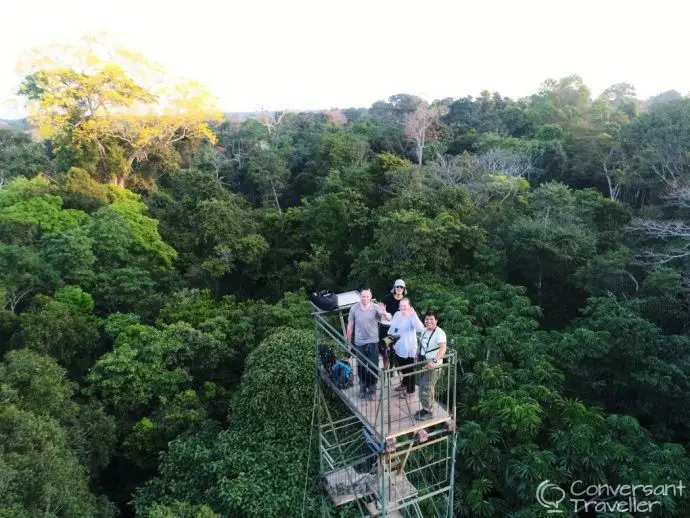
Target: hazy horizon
x=307 y=55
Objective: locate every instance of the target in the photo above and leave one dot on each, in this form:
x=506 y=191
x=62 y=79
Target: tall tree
x=268 y=172
x=420 y=126
x=89 y=101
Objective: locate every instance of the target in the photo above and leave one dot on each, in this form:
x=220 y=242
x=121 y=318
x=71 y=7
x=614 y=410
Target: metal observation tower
x=376 y=457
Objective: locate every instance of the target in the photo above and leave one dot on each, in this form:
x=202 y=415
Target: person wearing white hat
x=391 y=304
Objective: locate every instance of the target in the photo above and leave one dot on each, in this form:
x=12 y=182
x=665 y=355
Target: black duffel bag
x=325 y=300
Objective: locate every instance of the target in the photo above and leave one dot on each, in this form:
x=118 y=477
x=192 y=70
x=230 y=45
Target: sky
x=304 y=54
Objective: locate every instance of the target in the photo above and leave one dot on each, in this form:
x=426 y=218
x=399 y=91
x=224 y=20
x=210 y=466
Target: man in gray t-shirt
x=363 y=320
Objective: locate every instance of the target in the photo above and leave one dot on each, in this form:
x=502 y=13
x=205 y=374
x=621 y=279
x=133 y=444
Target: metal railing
x=387 y=410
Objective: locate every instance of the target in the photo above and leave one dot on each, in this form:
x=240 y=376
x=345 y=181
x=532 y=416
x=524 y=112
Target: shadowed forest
x=157 y=353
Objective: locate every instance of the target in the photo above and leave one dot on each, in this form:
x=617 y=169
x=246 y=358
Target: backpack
x=341 y=374
x=325 y=300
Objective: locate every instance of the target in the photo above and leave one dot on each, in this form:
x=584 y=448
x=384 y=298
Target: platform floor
x=347 y=485
x=387 y=414
x=397 y=489
x=398 y=414
x=373 y=511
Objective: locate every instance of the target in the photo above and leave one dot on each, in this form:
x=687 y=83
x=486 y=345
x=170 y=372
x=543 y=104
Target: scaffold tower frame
x=377 y=457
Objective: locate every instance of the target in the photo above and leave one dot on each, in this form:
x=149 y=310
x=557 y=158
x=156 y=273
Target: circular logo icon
x=549 y=495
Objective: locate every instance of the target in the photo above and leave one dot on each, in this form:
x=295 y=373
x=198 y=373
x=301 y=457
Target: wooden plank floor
x=373 y=511
x=397 y=488
x=387 y=414
x=346 y=485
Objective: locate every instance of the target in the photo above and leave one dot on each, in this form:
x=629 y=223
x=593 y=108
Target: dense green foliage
x=156 y=345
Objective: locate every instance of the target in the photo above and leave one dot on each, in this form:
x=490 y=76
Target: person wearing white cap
x=391 y=304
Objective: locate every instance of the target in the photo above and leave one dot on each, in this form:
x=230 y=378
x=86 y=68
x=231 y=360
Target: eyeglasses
x=401 y=287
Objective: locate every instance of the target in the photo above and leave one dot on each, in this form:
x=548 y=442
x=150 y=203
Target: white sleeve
x=442 y=337
x=418 y=325
x=394 y=323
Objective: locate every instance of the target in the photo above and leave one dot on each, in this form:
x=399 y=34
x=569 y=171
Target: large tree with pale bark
x=112 y=111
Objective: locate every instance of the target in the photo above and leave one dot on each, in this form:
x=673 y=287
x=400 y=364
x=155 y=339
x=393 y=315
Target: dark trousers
x=389 y=356
x=365 y=371
x=408 y=380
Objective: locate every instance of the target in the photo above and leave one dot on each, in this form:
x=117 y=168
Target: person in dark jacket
x=391 y=303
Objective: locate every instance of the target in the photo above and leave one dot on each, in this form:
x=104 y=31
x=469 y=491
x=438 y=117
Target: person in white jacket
x=406 y=324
